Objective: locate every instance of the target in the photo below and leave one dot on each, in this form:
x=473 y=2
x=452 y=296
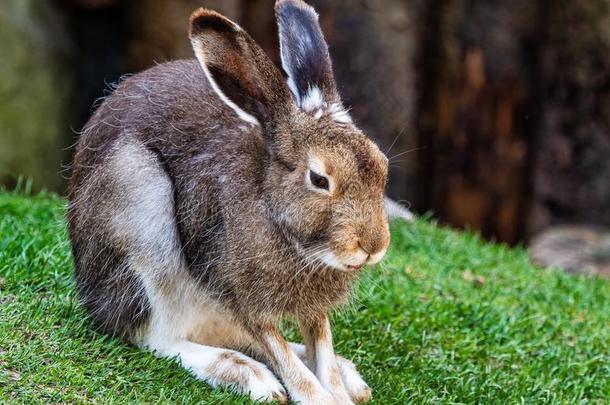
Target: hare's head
x=324 y=179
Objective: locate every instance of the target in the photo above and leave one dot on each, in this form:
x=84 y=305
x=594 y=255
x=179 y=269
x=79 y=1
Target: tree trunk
x=476 y=111
x=571 y=171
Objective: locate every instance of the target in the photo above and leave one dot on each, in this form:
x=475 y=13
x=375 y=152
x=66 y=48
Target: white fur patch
x=213 y=365
x=325 y=362
x=313 y=100
x=359 y=258
x=339 y=114
x=313 y=103
x=145 y=215
x=330 y=259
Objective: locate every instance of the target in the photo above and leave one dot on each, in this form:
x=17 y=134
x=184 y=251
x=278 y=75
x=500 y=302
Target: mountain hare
x=212 y=197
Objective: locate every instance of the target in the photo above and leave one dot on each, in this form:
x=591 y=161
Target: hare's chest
x=269 y=278
x=304 y=292
x=321 y=290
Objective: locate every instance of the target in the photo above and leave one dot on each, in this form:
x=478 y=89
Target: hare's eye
x=318 y=180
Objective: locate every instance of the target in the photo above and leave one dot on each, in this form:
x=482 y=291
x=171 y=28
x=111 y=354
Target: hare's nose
x=372 y=247
x=368 y=254
x=375 y=248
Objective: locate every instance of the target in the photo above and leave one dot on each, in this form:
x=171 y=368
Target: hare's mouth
x=321 y=255
x=330 y=259
x=324 y=256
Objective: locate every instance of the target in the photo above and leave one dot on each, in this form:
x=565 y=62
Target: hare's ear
x=306 y=60
x=237 y=68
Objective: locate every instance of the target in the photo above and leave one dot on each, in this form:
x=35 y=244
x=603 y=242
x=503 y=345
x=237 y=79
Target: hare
x=212 y=197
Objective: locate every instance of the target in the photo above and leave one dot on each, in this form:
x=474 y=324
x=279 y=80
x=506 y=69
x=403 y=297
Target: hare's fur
x=196 y=225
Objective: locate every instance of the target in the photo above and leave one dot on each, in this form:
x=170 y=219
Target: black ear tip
x=203 y=19
x=283 y=5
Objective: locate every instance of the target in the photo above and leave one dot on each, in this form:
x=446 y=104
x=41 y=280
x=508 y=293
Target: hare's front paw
x=315 y=394
x=342 y=397
x=321 y=397
x=355 y=386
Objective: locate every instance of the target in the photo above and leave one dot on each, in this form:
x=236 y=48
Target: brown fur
x=163 y=108
x=282 y=359
x=335 y=377
x=318 y=332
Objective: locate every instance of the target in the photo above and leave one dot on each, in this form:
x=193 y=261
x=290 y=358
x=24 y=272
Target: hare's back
x=129 y=172
x=163 y=104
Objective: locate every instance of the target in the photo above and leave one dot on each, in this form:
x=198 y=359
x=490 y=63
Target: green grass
x=446 y=319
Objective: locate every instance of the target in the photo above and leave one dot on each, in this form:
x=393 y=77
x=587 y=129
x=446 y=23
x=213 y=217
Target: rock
x=576 y=249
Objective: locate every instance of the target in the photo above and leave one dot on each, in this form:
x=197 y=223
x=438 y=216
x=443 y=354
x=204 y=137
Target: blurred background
x=496 y=114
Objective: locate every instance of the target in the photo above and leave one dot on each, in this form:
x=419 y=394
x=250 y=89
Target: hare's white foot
x=355 y=386
x=229 y=368
x=357 y=389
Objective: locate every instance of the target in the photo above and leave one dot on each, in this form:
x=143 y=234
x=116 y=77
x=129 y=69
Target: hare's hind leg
x=224 y=367
x=144 y=222
x=187 y=330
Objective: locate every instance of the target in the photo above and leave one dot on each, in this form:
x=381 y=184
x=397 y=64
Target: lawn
x=446 y=318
